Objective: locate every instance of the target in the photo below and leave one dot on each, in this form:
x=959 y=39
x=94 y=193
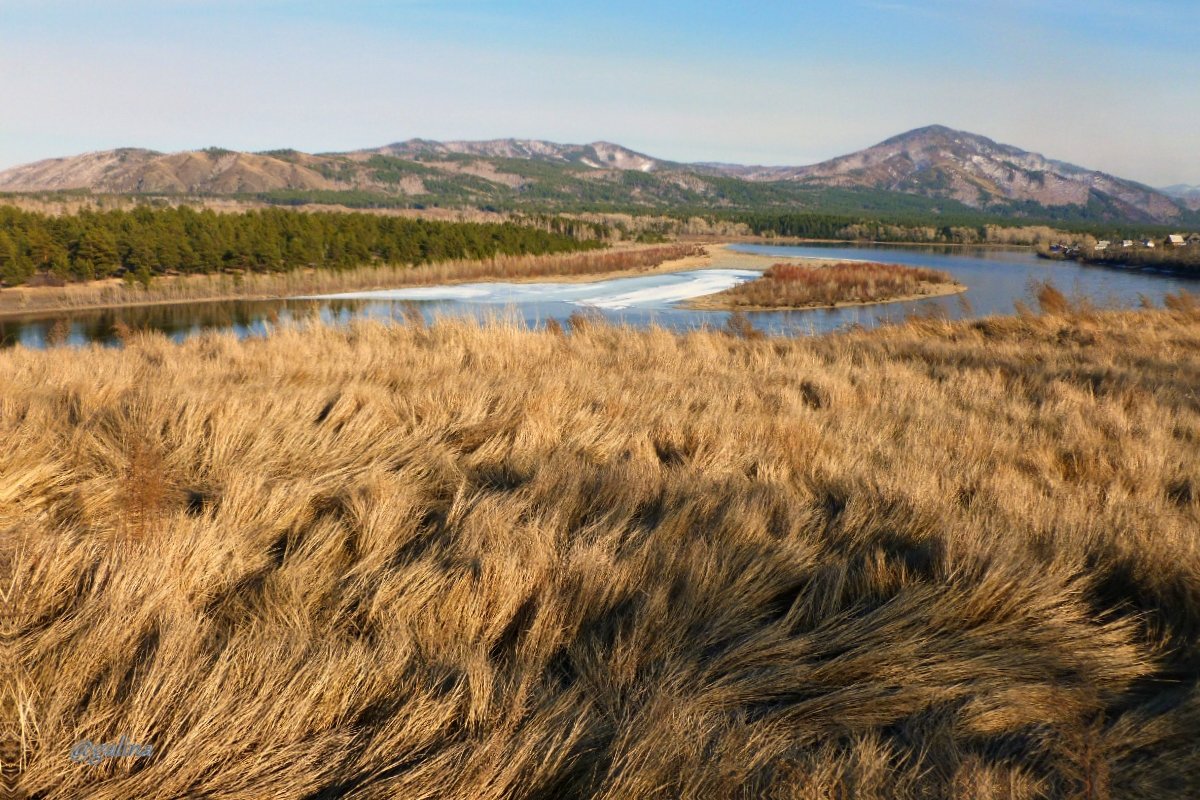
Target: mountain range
x=930 y=170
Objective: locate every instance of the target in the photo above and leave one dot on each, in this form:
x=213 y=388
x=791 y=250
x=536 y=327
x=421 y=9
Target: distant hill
x=933 y=170
x=135 y=171
x=944 y=163
x=1189 y=195
x=598 y=155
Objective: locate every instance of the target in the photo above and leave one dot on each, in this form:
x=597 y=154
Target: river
x=996 y=280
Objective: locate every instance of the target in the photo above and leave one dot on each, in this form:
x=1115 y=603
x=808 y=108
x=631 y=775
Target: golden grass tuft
x=461 y=561
x=1050 y=299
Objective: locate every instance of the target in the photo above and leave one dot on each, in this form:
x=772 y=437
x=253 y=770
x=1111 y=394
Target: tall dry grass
x=932 y=561
x=220 y=286
x=804 y=286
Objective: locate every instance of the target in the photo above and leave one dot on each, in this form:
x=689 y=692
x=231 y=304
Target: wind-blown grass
x=937 y=560
x=804 y=286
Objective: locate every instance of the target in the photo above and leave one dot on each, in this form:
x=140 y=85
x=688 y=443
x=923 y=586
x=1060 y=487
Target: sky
x=1107 y=84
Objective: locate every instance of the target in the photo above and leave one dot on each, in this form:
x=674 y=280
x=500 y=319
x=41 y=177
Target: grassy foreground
x=937 y=560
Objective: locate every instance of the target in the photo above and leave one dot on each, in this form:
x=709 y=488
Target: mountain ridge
x=940 y=166
x=1187 y=194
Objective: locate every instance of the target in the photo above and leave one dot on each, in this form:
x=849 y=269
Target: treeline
x=145 y=242
x=953 y=228
x=804 y=226
x=581 y=229
x=929 y=229
x=347 y=198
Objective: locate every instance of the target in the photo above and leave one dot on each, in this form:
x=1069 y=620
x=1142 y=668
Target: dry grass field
x=848 y=283
x=939 y=560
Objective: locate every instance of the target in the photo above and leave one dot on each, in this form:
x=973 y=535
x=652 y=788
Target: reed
x=804 y=286
x=937 y=560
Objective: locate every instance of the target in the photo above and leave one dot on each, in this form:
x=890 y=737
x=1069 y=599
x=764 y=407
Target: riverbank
x=787 y=241
x=23 y=301
x=1184 y=263
x=618 y=262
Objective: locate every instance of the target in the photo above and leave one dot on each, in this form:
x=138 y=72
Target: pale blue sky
x=1106 y=84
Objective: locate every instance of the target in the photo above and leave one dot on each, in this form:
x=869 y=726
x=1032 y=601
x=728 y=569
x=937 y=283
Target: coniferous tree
x=140 y=256
x=15 y=268
x=97 y=255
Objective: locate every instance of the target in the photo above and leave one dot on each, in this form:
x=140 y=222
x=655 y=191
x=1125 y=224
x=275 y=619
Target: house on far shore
x=1127 y=243
x=1176 y=240
x=1149 y=244
x=1102 y=245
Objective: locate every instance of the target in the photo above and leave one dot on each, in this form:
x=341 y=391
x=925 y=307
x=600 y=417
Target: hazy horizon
x=1098 y=84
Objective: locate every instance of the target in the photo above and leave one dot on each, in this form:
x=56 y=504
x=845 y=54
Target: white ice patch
x=694 y=284
x=416 y=293
x=641 y=291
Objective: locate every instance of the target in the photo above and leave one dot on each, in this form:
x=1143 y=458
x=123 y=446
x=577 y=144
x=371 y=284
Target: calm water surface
x=996 y=279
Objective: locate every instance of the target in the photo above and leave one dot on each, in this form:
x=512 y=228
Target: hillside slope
x=598 y=155
x=944 y=163
x=135 y=171
x=1189 y=195
x=932 y=170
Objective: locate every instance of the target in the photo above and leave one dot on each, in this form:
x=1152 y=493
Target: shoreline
x=710 y=303
x=716 y=256
x=1178 y=271
x=14 y=305
x=36 y=313
x=865 y=243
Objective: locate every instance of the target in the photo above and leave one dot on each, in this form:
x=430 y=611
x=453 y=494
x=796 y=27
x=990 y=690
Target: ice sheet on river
x=648 y=291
